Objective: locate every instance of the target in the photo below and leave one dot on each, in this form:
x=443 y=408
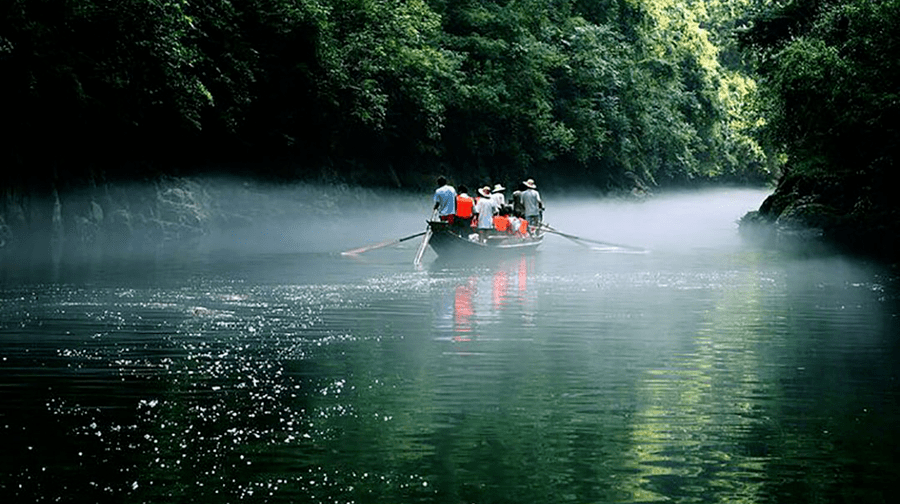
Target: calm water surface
x=705 y=370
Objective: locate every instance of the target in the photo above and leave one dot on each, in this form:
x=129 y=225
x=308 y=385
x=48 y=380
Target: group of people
x=488 y=212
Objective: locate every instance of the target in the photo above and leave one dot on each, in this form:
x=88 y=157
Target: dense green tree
x=82 y=75
x=577 y=90
x=386 y=71
x=830 y=76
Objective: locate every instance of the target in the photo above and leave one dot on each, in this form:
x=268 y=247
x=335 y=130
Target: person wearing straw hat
x=484 y=208
x=534 y=206
x=498 y=197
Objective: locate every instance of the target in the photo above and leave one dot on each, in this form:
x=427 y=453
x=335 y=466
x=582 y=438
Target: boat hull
x=446 y=242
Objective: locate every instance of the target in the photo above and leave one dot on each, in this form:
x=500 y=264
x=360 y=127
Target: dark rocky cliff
x=163 y=213
x=849 y=212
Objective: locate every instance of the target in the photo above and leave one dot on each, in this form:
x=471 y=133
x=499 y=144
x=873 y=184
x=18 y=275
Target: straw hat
x=485 y=191
x=530 y=184
x=498 y=188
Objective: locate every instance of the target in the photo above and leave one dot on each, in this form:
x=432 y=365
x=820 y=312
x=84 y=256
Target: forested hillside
x=829 y=80
x=598 y=92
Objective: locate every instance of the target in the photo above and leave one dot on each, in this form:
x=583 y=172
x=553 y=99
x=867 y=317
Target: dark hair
x=442 y=180
x=462 y=189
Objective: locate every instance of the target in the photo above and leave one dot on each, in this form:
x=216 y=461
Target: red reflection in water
x=500 y=284
x=463 y=309
x=480 y=299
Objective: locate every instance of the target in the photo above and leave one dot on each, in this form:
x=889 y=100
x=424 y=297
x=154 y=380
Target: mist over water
x=665 y=223
x=259 y=364
x=319 y=219
x=247 y=218
x=356 y=217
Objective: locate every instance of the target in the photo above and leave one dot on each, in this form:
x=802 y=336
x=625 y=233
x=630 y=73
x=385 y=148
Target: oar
x=383 y=244
x=573 y=237
x=424 y=244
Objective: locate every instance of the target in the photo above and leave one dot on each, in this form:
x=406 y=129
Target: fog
x=675 y=222
x=345 y=218
x=245 y=218
x=308 y=218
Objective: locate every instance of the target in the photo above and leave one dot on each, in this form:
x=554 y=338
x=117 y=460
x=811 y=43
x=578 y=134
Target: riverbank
x=813 y=211
x=164 y=212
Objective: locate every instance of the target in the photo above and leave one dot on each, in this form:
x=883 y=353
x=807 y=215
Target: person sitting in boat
x=501 y=221
x=480 y=195
x=534 y=206
x=484 y=210
x=465 y=209
x=523 y=226
x=445 y=200
x=515 y=223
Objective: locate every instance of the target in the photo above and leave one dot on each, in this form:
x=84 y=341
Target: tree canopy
x=830 y=75
x=389 y=91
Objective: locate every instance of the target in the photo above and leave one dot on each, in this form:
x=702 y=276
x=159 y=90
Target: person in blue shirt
x=445 y=200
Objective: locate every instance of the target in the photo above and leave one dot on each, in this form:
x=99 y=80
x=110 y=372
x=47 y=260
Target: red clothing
x=501 y=223
x=465 y=204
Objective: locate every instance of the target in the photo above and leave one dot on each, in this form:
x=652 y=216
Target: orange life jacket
x=523 y=227
x=464 y=206
x=501 y=223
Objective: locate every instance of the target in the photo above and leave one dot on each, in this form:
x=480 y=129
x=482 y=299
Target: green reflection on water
x=697 y=412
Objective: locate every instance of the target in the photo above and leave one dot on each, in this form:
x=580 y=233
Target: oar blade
x=421 y=252
x=367 y=248
x=630 y=248
x=422 y=247
x=386 y=243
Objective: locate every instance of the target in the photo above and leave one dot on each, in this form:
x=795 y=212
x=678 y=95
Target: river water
x=703 y=369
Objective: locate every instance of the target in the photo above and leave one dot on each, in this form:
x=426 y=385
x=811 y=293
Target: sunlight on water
x=704 y=370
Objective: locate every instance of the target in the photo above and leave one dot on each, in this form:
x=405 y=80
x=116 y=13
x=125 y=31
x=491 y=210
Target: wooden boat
x=446 y=240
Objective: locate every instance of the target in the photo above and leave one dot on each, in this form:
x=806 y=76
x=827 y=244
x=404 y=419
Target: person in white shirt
x=514 y=224
x=498 y=197
x=484 y=208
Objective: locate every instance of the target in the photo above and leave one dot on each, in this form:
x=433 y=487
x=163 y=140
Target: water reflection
x=710 y=375
x=699 y=415
x=484 y=295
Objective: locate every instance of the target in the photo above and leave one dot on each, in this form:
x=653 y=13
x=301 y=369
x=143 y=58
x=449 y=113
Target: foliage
x=830 y=79
x=579 y=91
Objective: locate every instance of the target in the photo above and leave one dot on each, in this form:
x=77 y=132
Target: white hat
x=498 y=188
x=485 y=191
x=530 y=184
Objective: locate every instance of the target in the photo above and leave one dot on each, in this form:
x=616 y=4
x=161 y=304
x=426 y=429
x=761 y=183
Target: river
x=703 y=369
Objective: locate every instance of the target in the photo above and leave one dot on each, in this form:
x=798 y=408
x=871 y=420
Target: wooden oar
x=421 y=251
x=383 y=244
x=598 y=242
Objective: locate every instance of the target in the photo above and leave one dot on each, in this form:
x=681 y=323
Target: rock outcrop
x=163 y=213
x=124 y=216
x=850 y=212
